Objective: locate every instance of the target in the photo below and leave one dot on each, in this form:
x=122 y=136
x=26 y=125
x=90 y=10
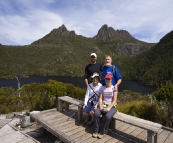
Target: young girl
x=107 y=102
x=91 y=99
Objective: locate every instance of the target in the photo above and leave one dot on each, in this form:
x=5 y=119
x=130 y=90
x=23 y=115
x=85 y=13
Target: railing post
x=152 y=137
x=59 y=105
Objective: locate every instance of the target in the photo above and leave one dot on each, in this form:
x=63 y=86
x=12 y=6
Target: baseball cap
x=94 y=75
x=93 y=54
x=108 y=76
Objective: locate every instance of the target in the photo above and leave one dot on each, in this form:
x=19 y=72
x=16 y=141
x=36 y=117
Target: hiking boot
x=90 y=123
x=95 y=135
x=100 y=136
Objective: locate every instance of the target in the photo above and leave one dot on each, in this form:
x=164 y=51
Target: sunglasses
x=107 y=78
x=93 y=57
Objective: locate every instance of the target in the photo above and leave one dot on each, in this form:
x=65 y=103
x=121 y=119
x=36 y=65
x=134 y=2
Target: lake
x=77 y=81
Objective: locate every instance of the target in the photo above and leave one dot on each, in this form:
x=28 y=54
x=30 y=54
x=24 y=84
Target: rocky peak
x=62 y=31
x=106 y=33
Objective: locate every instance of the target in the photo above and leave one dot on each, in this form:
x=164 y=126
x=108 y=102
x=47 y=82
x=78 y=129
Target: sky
x=25 y=21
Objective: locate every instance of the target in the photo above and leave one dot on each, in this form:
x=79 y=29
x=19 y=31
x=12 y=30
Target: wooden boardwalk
x=69 y=130
x=9 y=134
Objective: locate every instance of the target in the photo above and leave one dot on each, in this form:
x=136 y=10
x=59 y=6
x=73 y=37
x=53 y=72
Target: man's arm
x=118 y=76
x=86 y=76
x=86 y=82
x=117 y=84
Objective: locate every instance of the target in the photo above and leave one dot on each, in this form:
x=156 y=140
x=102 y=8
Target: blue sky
x=25 y=21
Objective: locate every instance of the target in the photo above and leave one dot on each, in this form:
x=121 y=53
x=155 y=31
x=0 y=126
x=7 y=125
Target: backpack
x=114 y=73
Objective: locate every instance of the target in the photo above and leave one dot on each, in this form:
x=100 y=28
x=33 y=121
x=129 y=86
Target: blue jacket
x=110 y=71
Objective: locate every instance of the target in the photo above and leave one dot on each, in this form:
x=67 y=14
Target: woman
x=107 y=102
x=91 y=99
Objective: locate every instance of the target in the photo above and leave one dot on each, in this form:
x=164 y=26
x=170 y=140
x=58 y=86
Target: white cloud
x=25 y=30
x=145 y=20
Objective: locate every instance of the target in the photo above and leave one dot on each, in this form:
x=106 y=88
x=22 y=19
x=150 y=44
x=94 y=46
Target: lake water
x=77 y=81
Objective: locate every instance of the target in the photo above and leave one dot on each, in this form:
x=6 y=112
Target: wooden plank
x=14 y=136
x=6 y=130
x=116 y=138
x=71 y=100
x=60 y=122
x=139 y=134
x=145 y=140
x=81 y=128
x=46 y=114
x=45 y=111
x=71 y=128
x=4 y=122
x=126 y=140
x=90 y=140
x=169 y=139
x=27 y=140
x=119 y=124
x=51 y=117
x=124 y=127
x=83 y=137
x=64 y=127
x=77 y=135
x=129 y=130
x=163 y=136
x=105 y=138
x=48 y=126
x=55 y=118
x=138 y=122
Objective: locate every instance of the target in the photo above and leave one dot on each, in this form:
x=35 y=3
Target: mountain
x=154 y=67
x=59 y=32
x=117 y=40
x=64 y=53
x=109 y=34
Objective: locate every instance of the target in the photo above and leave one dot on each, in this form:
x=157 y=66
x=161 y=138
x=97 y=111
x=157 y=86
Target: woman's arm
x=100 y=101
x=86 y=97
x=113 y=102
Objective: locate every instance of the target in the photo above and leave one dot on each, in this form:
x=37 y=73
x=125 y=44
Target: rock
x=25 y=122
x=10 y=116
x=131 y=48
x=109 y=34
x=62 y=31
x=34 y=112
x=2 y=117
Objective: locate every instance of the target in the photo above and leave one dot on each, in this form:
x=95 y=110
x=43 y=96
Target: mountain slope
x=63 y=52
x=154 y=67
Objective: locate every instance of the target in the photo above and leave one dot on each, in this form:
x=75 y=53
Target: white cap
x=94 y=75
x=93 y=54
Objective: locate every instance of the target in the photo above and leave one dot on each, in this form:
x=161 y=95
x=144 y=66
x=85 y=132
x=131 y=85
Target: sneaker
x=95 y=135
x=100 y=136
x=90 y=123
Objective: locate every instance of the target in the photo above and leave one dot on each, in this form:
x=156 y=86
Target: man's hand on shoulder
x=116 y=88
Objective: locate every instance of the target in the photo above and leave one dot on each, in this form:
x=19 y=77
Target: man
x=109 y=68
x=92 y=68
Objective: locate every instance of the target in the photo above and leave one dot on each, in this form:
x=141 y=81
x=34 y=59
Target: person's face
x=108 y=61
x=95 y=80
x=107 y=81
x=93 y=59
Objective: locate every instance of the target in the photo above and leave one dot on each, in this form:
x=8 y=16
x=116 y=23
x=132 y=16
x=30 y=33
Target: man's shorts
x=89 y=108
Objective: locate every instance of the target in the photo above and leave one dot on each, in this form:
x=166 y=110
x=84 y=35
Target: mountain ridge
x=105 y=33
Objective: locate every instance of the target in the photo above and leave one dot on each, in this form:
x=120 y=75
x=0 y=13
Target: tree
x=164 y=95
x=31 y=90
x=57 y=89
